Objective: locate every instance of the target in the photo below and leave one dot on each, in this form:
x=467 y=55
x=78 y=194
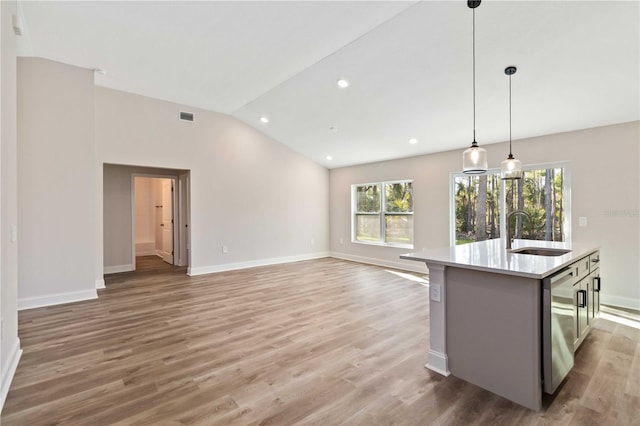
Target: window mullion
x=383 y=209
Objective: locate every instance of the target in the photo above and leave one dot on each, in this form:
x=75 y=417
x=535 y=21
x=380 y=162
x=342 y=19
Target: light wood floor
x=320 y=342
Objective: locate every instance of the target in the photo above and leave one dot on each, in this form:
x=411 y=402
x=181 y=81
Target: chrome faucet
x=509 y=216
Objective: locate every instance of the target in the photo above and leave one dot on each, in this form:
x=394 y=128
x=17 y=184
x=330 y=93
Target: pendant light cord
x=510 y=155
x=474 y=74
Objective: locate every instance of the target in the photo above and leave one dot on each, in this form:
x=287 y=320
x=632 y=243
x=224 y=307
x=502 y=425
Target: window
x=478 y=206
x=541 y=194
x=383 y=213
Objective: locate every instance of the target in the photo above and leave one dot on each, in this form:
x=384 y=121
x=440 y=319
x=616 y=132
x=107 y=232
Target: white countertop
x=492 y=256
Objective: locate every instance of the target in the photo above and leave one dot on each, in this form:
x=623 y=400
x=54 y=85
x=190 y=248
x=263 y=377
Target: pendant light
x=511 y=168
x=474 y=159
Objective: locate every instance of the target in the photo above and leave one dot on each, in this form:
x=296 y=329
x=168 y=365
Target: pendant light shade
x=511 y=168
x=474 y=159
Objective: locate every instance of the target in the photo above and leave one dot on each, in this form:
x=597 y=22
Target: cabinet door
x=580 y=296
x=576 y=316
x=585 y=320
x=596 y=284
x=590 y=298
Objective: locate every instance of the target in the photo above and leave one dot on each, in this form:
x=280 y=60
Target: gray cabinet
x=581 y=305
x=596 y=284
x=570 y=304
x=586 y=296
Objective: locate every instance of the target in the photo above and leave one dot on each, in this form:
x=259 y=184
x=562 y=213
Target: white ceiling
x=409 y=64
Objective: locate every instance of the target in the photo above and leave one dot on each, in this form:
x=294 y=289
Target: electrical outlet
x=225 y=249
x=582 y=221
x=436 y=292
x=341 y=240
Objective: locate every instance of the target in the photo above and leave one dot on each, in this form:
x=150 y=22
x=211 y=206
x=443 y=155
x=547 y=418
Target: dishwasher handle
x=558 y=279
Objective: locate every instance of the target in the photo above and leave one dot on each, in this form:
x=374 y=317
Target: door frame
x=179 y=196
x=184 y=206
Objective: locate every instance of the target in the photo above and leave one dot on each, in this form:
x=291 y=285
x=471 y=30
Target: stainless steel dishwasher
x=558 y=317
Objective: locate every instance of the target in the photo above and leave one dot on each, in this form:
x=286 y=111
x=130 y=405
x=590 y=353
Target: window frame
x=566 y=190
x=381 y=214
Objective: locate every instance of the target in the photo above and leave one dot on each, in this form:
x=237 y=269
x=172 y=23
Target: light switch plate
x=582 y=221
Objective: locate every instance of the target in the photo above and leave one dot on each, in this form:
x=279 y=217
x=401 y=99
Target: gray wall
x=56 y=181
x=265 y=202
x=604 y=176
x=250 y=193
x=9 y=342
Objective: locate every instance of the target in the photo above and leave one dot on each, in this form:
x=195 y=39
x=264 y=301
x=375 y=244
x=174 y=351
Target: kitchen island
x=486 y=311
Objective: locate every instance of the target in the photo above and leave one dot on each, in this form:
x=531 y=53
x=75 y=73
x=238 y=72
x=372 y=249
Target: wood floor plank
x=322 y=342
x=633 y=380
x=607 y=386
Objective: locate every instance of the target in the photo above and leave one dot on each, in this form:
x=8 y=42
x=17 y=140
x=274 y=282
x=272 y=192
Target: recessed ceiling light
x=342 y=83
x=265 y=120
x=413 y=141
x=329 y=157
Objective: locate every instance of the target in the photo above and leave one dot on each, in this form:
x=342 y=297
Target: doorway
x=154 y=205
x=160 y=217
x=146 y=213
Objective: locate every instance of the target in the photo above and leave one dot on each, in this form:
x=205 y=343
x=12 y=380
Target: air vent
x=186 y=116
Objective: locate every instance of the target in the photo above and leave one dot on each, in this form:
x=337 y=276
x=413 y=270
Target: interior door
x=167 y=220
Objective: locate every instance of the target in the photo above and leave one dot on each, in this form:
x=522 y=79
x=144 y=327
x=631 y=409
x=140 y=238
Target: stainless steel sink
x=540 y=251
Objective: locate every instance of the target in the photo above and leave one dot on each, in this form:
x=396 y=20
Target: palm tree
x=549 y=206
x=481 y=224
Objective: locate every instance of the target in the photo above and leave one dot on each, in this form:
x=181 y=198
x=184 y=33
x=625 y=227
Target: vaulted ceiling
x=408 y=63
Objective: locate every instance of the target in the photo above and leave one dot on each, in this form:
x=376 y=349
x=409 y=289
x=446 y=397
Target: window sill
x=390 y=245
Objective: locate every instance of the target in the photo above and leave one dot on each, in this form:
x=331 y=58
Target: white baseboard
x=418 y=267
x=146 y=248
x=410 y=265
x=438 y=362
x=100 y=284
x=620 y=301
x=118 y=268
x=253 y=263
x=56 y=299
x=10 y=370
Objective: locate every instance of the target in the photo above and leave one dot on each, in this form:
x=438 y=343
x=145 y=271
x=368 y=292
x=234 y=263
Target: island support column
x=437 y=359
